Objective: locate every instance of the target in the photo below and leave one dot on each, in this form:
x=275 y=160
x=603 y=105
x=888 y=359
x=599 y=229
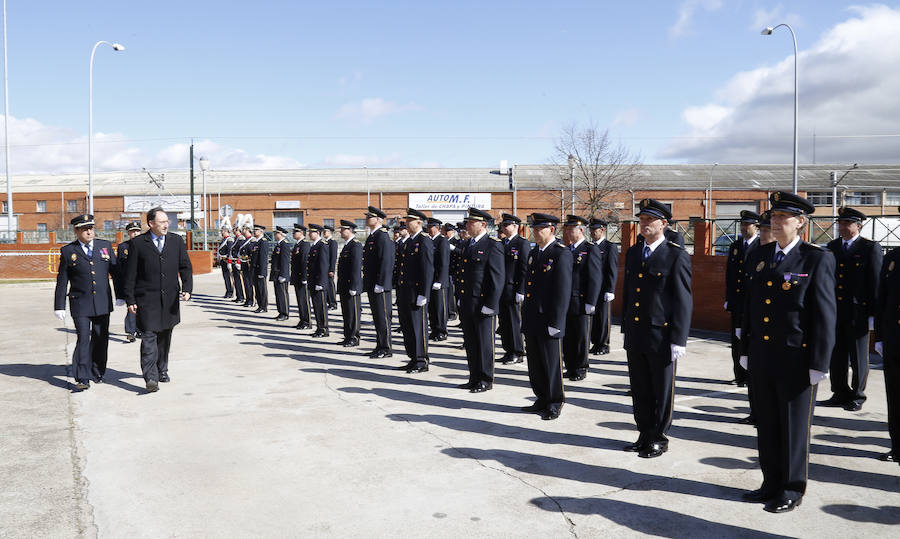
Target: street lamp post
x=204 y=166
x=767 y=31
x=572 y=161
x=368 y=191
x=9 y=200
x=115 y=47
x=709 y=193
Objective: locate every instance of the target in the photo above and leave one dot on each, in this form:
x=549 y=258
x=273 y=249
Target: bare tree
x=602 y=169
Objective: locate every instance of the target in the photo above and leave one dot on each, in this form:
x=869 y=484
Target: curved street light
x=115 y=47
x=767 y=31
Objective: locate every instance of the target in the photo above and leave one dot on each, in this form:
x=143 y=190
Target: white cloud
x=350 y=160
x=849 y=80
x=626 y=118
x=771 y=17
x=373 y=108
x=352 y=78
x=686 y=14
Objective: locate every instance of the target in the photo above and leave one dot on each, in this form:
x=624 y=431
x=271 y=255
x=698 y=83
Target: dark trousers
x=155 y=353
x=545 y=371
x=892 y=388
x=850 y=350
x=413 y=324
x=783 y=403
x=652 y=379
x=351 y=310
x=381 y=315
x=320 y=308
x=478 y=338
x=89 y=358
x=740 y=374
x=238 y=283
x=247 y=277
x=282 y=299
x=437 y=312
x=302 y=293
x=226 y=274
x=600 y=325
x=451 y=301
x=509 y=322
x=130 y=322
x=576 y=343
x=332 y=298
x=262 y=291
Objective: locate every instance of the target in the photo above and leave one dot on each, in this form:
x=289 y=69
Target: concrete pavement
x=266 y=432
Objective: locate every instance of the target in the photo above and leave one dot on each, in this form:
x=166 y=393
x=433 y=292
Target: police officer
x=788 y=333
x=328 y=238
x=609 y=261
x=858 y=265
x=656 y=318
x=133 y=229
x=317 y=278
x=515 y=257
x=887 y=344
x=548 y=287
x=765 y=228
x=299 y=255
x=449 y=231
x=349 y=283
x=481 y=276
x=416 y=275
x=378 y=270
x=439 y=298
x=587 y=279
x=735 y=285
x=259 y=261
x=246 y=267
x=280 y=273
x=236 y=270
x=223 y=254
x=85 y=268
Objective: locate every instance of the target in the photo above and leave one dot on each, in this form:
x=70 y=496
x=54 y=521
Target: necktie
x=846 y=245
x=779 y=256
x=646 y=252
x=159 y=244
x=90 y=250
x=506 y=241
x=472 y=242
x=572 y=247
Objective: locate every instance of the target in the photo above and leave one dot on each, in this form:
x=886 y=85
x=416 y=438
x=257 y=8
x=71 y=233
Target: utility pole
x=191 y=224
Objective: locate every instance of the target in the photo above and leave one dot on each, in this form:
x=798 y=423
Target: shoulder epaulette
x=673 y=244
x=495 y=238
x=806 y=243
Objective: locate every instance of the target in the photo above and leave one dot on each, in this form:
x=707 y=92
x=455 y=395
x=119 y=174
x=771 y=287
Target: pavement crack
x=84 y=511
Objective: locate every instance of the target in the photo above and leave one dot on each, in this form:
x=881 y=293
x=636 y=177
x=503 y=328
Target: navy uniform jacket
x=515 y=254
x=856 y=281
x=735 y=270
x=122 y=253
x=235 y=252
x=398 y=260
x=441 y=261
x=259 y=256
x=656 y=298
x=481 y=274
x=332 y=255
x=299 y=254
x=225 y=248
x=609 y=261
x=587 y=277
x=349 y=269
x=416 y=269
x=548 y=286
x=317 y=265
x=789 y=306
x=455 y=260
x=378 y=261
x=86 y=280
x=674 y=236
x=281 y=261
x=151 y=280
x=244 y=252
x=887 y=308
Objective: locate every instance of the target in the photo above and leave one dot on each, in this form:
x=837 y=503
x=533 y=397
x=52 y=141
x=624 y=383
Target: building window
x=892 y=198
x=360 y=223
x=5 y=210
x=72 y=206
x=732 y=210
x=862 y=198
x=42 y=227
x=328 y=222
x=109 y=225
x=819 y=198
x=42 y=206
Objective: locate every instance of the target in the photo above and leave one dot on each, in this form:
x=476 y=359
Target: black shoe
x=782 y=505
x=226 y=296
x=164 y=378
x=406 y=366
x=261 y=310
x=414 y=369
x=481 y=387
x=302 y=325
x=833 y=401
x=758 y=496
x=578 y=376
x=732 y=382
x=130 y=337
x=742 y=383
x=534 y=409
x=98 y=379
x=550 y=415
x=568 y=374
x=152 y=386
x=378 y=354
x=653 y=450
x=594 y=350
x=635 y=447
x=853 y=406
x=888 y=457
x=604 y=350
x=350 y=342
x=512 y=359
x=281 y=317
x=441 y=337
x=467 y=385
x=237 y=300
x=374 y=354
x=319 y=333
x=749 y=420
x=82 y=386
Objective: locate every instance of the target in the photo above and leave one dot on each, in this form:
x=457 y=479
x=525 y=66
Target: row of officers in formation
x=798 y=311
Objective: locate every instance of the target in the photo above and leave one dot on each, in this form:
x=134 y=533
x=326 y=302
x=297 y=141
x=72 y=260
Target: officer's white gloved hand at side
x=60 y=314
x=677 y=351
x=737 y=332
x=816 y=376
x=879 y=347
x=744 y=363
x=120 y=302
x=520 y=298
x=871 y=323
x=436 y=286
x=353 y=292
x=609 y=296
x=588 y=309
x=552 y=331
x=378 y=289
x=487 y=311
x=421 y=300
x=319 y=288
x=282 y=280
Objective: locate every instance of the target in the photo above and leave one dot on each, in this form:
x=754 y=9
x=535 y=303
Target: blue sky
x=451 y=84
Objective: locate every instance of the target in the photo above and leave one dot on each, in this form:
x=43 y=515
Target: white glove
x=737 y=332
x=452 y=247
x=609 y=296
x=62 y=315
x=588 y=309
x=303 y=283
x=816 y=376
x=319 y=288
x=436 y=286
x=487 y=310
x=871 y=323
x=120 y=302
x=237 y=265
x=879 y=347
x=725 y=306
x=421 y=300
x=353 y=292
x=520 y=298
x=282 y=280
x=744 y=363
x=677 y=351
x=552 y=331
x=260 y=276
x=379 y=289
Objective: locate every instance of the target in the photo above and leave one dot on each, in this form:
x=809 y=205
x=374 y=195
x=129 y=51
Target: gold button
x=637 y=289
x=804 y=345
x=842 y=264
x=637 y=304
x=93 y=272
x=529 y=283
x=768 y=301
x=640 y=275
x=636 y=318
x=659 y=274
x=840 y=286
x=665 y=324
x=840 y=275
x=769 y=283
x=765 y=337
x=840 y=298
x=528 y=295
x=766 y=319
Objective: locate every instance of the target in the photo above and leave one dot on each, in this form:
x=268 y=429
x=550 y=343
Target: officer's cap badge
x=776 y=197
